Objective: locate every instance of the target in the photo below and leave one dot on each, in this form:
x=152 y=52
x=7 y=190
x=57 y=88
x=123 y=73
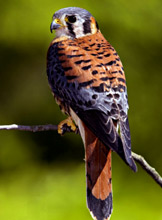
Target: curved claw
x=66 y=125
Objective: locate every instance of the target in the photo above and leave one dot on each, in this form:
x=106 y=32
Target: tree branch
x=150 y=170
x=49 y=127
x=33 y=128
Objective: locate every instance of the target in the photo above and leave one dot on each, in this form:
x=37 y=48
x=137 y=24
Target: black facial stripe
x=97 y=26
x=87 y=26
x=70 y=28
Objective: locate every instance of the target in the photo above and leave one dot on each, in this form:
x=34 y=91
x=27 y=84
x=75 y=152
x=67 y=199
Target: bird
x=88 y=82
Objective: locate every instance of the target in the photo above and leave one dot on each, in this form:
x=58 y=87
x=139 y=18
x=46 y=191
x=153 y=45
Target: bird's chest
x=55 y=71
x=56 y=78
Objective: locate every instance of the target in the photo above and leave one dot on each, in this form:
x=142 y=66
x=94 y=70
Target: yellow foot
x=66 y=125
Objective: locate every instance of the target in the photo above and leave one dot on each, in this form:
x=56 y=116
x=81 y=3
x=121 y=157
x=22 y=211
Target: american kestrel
x=88 y=82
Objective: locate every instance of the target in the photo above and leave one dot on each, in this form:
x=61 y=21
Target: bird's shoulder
x=91 y=61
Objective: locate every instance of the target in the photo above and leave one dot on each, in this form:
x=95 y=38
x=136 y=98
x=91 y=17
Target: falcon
x=88 y=82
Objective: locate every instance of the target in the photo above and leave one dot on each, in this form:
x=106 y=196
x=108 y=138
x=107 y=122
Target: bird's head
x=73 y=22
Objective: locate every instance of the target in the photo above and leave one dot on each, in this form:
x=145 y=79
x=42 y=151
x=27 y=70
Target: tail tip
x=99 y=209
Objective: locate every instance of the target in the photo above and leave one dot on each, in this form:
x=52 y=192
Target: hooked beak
x=54 y=26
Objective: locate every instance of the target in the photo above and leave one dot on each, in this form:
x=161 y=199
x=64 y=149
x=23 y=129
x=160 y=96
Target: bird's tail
x=98 y=175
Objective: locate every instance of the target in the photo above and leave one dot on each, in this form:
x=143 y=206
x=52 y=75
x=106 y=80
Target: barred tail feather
x=98 y=175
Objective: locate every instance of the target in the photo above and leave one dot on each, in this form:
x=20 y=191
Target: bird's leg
x=66 y=125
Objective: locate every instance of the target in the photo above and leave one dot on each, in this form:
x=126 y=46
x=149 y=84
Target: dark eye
x=71 y=18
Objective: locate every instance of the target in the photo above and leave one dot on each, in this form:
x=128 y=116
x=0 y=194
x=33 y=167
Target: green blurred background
x=42 y=174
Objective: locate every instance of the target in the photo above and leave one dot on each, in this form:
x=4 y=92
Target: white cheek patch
x=78 y=27
x=61 y=32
